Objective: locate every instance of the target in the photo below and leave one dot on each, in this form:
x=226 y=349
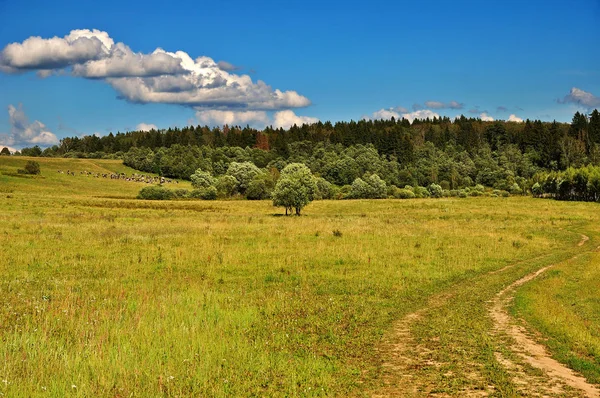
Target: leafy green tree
x=243 y=173
x=378 y=187
x=226 y=185
x=295 y=188
x=202 y=179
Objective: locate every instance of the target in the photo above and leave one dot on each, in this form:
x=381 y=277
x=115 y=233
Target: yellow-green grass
x=105 y=295
x=564 y=305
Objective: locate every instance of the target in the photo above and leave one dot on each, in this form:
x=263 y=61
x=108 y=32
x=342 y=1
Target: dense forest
x=450 y=153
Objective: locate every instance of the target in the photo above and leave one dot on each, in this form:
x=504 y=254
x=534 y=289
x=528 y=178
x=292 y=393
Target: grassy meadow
x=106 y=295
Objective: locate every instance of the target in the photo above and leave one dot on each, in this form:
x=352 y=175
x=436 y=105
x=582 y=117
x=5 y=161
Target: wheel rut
x=404 y=356
x=529 y=350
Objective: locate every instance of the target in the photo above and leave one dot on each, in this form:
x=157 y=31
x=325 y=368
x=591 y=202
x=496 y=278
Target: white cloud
x=288 y=118
x=485 y=117
x=515 y=118
x=578 y=96
x=23 y=132
x=146 y=127
x=55 y=53
x=387 y=114
x=422 y=114
x=122 y=62
x=158 y=77
x=214 y=117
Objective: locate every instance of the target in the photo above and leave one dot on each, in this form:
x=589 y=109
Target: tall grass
x=121 y=297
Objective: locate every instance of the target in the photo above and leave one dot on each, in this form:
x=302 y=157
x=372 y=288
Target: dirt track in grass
x=404 y=356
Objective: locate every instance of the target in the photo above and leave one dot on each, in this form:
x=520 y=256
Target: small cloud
x=515 y=118
x=501 y=109
x=444 y=105
x=288 y=118
x=387 y=114
x=485 y=117
x=417 y=107
x=400 y=109
x=214 y=117
x=455 y=105
x=581 y=97
x=435 y=105
x=226 y=66
x=146 y=127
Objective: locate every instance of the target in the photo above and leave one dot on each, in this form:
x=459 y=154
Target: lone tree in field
x=295 y=188
x=5 y=152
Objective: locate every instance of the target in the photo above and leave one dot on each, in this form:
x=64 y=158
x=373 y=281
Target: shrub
x=435 y=190
x=462 y=193
x=156 y=192
x=515 y=189
x=181 y=193
x=209 y=193
x=31 y=167
x=404 y=194
x=421 y=192
x=505 y=194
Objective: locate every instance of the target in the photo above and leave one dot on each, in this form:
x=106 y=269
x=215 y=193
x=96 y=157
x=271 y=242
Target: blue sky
x=333 y=61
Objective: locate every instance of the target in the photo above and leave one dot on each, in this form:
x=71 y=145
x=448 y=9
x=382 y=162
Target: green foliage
x=4 y=152
x=31 y=167
x=372 y=187
x=260 y=187
x=404 y=194
x=581 y=184
x=325 y=189
x=435 y=190
x=226 y=186
x=421 y=192
x=156 y=192
x=243 y=173
x=207 y=193
x=295 y=188
x=202 y=179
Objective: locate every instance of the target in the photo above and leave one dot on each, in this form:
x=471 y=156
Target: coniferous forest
x=453 y=154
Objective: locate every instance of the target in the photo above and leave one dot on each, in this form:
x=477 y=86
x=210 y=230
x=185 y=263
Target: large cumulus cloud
x=158 y=77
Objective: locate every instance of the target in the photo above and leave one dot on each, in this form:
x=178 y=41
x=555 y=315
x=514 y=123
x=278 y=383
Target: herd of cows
x=147 y=179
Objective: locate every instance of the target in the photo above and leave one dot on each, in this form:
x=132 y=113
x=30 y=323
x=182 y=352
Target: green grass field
x=105 y=295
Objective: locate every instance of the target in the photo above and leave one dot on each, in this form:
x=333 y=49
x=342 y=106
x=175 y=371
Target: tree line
x=453 y=154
